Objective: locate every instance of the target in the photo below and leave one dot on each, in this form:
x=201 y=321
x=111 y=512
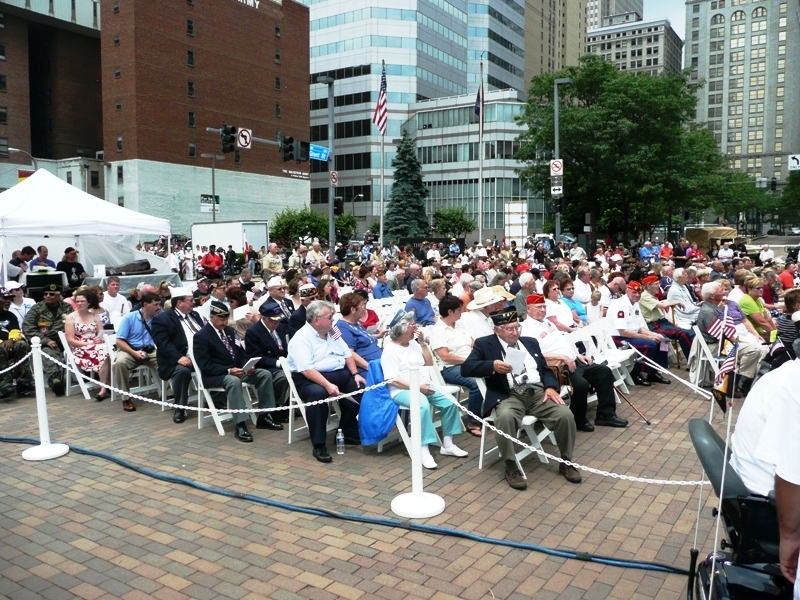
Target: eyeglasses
x=511 y=329
x=50 y=294
x=279 y=289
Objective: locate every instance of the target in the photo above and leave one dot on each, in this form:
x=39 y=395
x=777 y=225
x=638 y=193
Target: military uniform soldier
x=12 y=349
x=45 y=320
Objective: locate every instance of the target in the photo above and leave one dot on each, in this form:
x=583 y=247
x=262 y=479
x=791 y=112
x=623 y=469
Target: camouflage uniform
x=45 y=323
x=12 y=351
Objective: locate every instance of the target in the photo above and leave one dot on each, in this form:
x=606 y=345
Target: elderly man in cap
x=656 y=317
x=173 y=332
x=478 y=321
x=625 y=315
x=322 y=366
x=217 y=292
x=276 y=294
x=610 y=292
x=267 y=341
x=512 y=394
x=308 y=293
x=135 y=344
x=220 y=358
x=45 y=320
x=201 y=294
x=583 y=371
x=13 y=348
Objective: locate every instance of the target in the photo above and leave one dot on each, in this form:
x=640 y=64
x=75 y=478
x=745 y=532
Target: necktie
x=286 y=310
x=190 y=322
x=277 y=339
x=227 y=344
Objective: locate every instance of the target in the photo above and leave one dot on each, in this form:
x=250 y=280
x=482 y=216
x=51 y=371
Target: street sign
x=794 y=162
x=244 y=138
x=556 y=185
x=206 y=204
x=318 y=152
x=556 y=167
x=334 y=178
x=556 y=190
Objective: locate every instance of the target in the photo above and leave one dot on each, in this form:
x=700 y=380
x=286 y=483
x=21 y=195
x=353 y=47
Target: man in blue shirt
x=649 y=253
x=135 y=345
x=419 y=303
x=381 y=289
x=41 y=260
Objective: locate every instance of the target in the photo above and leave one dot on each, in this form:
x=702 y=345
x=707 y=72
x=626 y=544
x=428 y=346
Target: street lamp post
x=331 y=164
x=29 y=155
x=353 y=203
x=559 y=81
x=214 y=158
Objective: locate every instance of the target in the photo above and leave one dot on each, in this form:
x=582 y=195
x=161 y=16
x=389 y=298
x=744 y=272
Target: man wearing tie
x=220 y=357
x=277 y=295
x=173 y=331
x=267 y=339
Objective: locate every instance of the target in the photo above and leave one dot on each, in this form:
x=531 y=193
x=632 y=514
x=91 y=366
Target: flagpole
x=480 y=161
x=380 y=235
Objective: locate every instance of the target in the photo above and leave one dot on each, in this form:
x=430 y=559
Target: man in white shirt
x=726 y=252
x=583 y=290
x=477 y=321
x=625 y=316
x=113 y=302
x=686 y=310
x=767 y=255
x=583 y=371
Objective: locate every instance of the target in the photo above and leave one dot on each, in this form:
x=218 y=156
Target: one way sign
x=794 y=162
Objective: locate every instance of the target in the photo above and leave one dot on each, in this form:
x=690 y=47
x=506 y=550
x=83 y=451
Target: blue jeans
x=451 y=417
x=453 y=376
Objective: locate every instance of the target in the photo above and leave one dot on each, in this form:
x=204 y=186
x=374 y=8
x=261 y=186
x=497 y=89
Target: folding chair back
x=296 y=403
x=205 y=393
x=73 y=370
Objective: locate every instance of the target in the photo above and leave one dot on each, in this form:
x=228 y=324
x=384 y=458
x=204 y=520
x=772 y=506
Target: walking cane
x=624 y=397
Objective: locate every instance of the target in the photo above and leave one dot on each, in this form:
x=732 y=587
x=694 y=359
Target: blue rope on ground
x=383 y=521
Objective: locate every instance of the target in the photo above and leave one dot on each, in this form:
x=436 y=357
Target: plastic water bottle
x=339 y=442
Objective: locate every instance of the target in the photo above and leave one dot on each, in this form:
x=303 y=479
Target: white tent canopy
x=45 y=210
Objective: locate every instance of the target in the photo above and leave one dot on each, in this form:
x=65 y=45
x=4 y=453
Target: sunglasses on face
x=50 y=294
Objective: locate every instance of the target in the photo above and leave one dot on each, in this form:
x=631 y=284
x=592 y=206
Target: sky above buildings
x=674 y=10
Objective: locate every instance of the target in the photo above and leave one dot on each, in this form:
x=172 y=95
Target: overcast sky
x=674 y=10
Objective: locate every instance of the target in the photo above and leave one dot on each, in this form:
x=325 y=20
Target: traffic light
x=228 y=135
x=773 y=184
x=287 y=148
x=338 y=206
x=301 y=150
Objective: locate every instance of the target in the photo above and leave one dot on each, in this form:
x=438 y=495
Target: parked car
x=793 y=231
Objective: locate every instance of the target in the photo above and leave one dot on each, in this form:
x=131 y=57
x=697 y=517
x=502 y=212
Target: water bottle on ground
x=339 y=442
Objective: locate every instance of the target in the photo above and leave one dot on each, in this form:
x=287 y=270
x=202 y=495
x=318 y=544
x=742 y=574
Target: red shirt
x=787 y=279
x=212 y=263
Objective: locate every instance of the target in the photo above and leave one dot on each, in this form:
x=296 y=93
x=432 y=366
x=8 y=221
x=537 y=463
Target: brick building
x=132 y=85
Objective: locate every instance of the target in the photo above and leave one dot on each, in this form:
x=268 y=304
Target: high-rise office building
x=743 y=51
x=555 y=34
x=598 y=10
x=639 y=47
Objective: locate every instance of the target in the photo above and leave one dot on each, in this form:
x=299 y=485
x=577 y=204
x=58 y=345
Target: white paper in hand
x=251 y=364
x=516 y=358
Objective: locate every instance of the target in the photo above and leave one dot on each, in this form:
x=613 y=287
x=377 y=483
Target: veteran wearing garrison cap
x=625 y=315
x=653 y=311
x=220 y=358
x=532 y=390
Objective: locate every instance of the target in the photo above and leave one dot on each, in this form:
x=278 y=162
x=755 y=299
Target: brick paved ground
x=84 y=527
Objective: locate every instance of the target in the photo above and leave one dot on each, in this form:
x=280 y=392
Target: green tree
x=632 y=153
x=346 y=226
x=405 y=215
x=291 y=225
x=789 y=202
x=451 y=222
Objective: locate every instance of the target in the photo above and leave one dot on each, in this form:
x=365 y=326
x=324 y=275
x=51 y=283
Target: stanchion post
x=418 y=504
x=45 y=450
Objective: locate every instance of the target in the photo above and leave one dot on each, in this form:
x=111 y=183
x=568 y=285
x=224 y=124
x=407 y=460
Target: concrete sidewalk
x=84 y=527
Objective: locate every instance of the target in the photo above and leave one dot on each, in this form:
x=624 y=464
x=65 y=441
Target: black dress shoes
x=266 y=422
x=242 y=434
x=586 y=426
x=179 y=416
x=638 y=380
x=569 y=473
x=351 y=441
x=515 y=479
x=321 y=454
x=612 y=421
x=659 y=378
x=280 y=416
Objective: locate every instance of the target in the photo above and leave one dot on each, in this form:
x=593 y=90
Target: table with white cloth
x=129 y=282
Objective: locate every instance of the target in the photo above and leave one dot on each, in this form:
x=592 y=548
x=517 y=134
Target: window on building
x=277 y=83
x=94 y=177
x=192 y=150
x=117 y=73
x=119 y=143
x=717 y=19
x=778 y=146
x=189 y=27
x=190 y=58
x=120 y=175
x=118 y=104
x=2 y=51
x=2 y=20
x=696 y=22
x=3 y=114
x=277 y=110
x=116 y=40
x=116 y=8
x=69 y=177
x=190 y=2
x=191 y=119
x=190 y=89
x=237 y=156
x=277 y=29
x=277 y=56
x=3 y=83
x=738 y=16
x=779 y=132
x=760 y=13
x=120 y=200
x=696 y=8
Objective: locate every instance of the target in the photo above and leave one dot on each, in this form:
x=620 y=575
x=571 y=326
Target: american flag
x=335 y=333
x=728 y=366
x=479 y=101
x=716 y=328
x=381 y=110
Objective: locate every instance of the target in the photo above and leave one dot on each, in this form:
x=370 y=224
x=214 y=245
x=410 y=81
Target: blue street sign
x=318 y=152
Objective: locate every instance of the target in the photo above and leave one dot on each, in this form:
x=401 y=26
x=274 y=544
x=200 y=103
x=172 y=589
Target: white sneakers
x=453 y=450
x=428 y=462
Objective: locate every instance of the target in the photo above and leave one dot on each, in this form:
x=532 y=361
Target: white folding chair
x=73 y=370
x=215 y=414
x=296 y=403
x=147 y=380
x=535 y=439
x=624 y=358
x=706 y=359
x=584 y=336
